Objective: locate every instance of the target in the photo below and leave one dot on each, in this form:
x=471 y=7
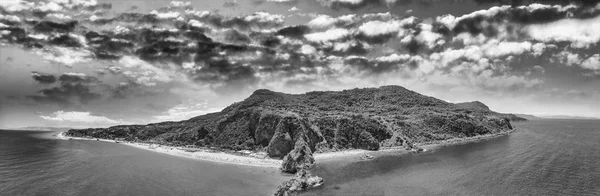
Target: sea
x=36 y=163
x=543 y=157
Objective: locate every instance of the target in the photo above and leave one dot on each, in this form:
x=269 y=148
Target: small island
x=289 y=130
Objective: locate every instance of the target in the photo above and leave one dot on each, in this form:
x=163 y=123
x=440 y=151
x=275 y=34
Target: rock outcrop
x=301 y=181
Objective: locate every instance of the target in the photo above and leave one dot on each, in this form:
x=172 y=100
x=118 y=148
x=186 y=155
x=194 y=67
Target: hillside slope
x=481 y=107
x=294 y=126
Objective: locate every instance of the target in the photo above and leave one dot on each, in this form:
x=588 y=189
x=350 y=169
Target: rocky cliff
x=294 y=126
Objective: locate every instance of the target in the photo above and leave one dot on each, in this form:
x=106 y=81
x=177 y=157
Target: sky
x=88 y=63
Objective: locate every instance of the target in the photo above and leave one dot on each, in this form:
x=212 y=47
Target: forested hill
x=294 y=126
x=476 y=105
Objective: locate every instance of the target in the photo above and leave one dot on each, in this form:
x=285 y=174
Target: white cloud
x=376 y=28
x=16 y=5
x=264 y=17
x=185 y=111
x=450 y=21
x=148 y=74
x=592 y=63
x=83 y=117
x=569 y=58
x=179 y=3
x=11 y=18
x=58 y=16
x=66 y=56
x=329 y=35
x=393 y=58
x=307 y=49
x=429 y=38
x=49 y=7
x=195 y=23
x=165 y=15
x=581 y=33
x=495 y=48
x=293 y=9
x=322 y=21
x=81 y=75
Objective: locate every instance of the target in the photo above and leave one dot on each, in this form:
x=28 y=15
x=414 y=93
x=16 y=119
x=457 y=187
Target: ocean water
x=544 y=157
x=35 y=163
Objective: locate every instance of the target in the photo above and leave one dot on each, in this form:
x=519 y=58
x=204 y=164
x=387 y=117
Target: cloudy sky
x=87 y=63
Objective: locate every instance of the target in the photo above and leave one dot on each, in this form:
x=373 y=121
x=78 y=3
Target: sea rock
x=302 y=180
x=298 y=159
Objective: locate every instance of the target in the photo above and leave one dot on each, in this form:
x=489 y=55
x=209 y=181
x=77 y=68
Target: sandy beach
x=206 y=155
x=253 y=160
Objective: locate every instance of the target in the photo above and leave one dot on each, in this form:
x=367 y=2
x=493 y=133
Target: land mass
x=293 y=127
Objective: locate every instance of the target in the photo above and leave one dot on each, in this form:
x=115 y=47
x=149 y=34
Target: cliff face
x=293 y=127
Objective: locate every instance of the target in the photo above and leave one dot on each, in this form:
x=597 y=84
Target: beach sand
x=206 y=155
x=222 y=157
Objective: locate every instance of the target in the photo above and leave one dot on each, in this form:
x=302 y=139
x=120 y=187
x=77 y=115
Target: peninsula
x=294 y=127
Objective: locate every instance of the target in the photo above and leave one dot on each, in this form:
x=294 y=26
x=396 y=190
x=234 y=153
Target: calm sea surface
x=35 y=163
x=545 y=157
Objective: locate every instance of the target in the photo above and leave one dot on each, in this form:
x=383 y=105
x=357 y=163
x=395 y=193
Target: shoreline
x=223 y=157
x=201 y=154
x=458 y=141
x=357 y=153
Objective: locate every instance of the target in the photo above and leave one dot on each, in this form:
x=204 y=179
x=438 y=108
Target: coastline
x=458 y=141
x=203 y=154
x=358 y=153
x=223 y=157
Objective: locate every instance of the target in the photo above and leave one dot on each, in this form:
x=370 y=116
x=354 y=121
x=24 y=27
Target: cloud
x=43 y=78
x=329 y=35
x=377 y=28
x=294 y=9
x=350 y=4
x=185 y=111
x=74 y=89
x=327 y=22
x=82 y=117
x=592 y=63
x=234 y=54
x=580 y=33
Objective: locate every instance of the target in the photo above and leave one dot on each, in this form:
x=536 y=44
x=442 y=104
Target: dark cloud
x=228 y=76
x=235 y=37
x=76 y=78
x=527 y=2
x=43 y=78
x=297 y=31
x=76 y=89
x=372 y=66
x=65 y=40
x=265 y=39
x=489 y=24
x=49 y=26
x=66 y=95
x=352 y=5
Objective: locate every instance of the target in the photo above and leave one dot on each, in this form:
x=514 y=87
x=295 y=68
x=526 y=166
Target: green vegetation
x=295 y=126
